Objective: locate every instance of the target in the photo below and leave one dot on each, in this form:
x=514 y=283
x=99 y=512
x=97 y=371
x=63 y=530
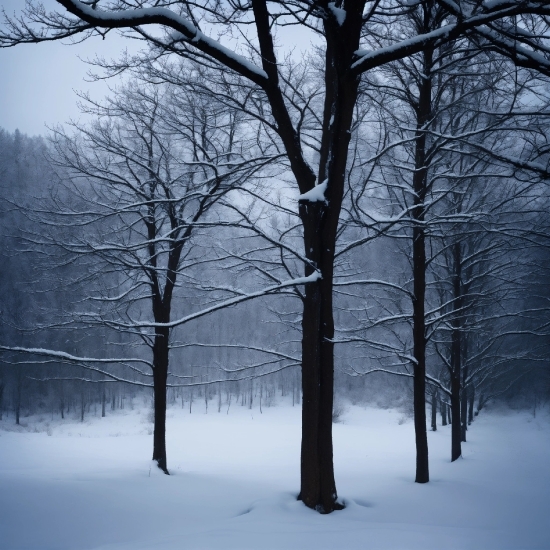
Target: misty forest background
x=75 y=258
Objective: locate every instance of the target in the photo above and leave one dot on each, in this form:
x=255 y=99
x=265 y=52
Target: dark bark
x=62 y=400
x=456 y=432
x=443 y=407
x=160 y=376
x=82 y=404
x=456 y=357
x=103 y=400
x=471 y=399
x=419 y=350
x=464 y=406
x=423 y=114
x=434 y=411
x=18 y=396
x=161 y=304
x=480 y=403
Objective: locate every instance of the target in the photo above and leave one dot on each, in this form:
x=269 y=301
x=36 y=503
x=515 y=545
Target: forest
x=233 y=228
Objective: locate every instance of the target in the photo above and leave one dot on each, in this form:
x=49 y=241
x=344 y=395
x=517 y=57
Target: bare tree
x=142 y=180
x=433 y=110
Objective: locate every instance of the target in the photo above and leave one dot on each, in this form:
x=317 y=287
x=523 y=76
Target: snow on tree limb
x=129 y=18
x=317 y=194
x=314 y=277
x=465 y=22
x=72 y=358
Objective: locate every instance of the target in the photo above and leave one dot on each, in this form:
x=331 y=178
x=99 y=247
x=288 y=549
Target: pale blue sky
x=38 y=81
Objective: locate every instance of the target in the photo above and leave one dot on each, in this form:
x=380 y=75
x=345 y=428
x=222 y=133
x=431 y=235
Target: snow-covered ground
x=71 y=485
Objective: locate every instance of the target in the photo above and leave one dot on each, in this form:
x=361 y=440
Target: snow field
x=235 y=478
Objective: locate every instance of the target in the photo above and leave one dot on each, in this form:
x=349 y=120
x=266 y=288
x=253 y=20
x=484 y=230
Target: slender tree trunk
x=480 y=403
x=443 y=408
x=472 y=395
x=18 y=395
x=160 y=376
x=103 y=400
x=464 y=406
x=456 y=359
x=419 y=272
x=82 y=404
x=463 y=415
x=419 y=351
x=456 y=431
x=434 y=411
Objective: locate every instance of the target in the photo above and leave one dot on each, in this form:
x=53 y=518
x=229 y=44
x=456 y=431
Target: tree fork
x=320 y=221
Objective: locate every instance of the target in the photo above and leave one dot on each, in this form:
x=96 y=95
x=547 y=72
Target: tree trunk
x=456 y=357
x=456 y=431
x=419 y=272
x=320 y=221
x=160 y=376
x=419 y=351
x=18 y=396
x=103 y=400
x=82 y=404
x=434 y=411
x=472 y=395
x=480 y=403
x=443 y=407
x=463 y=411
x=261 y=395
x=318 y=487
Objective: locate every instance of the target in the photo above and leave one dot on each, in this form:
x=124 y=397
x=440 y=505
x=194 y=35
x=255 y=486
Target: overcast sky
x=38 y=82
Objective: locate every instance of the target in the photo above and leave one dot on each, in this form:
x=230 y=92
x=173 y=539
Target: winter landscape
x=274 y=274
x=234 y=476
